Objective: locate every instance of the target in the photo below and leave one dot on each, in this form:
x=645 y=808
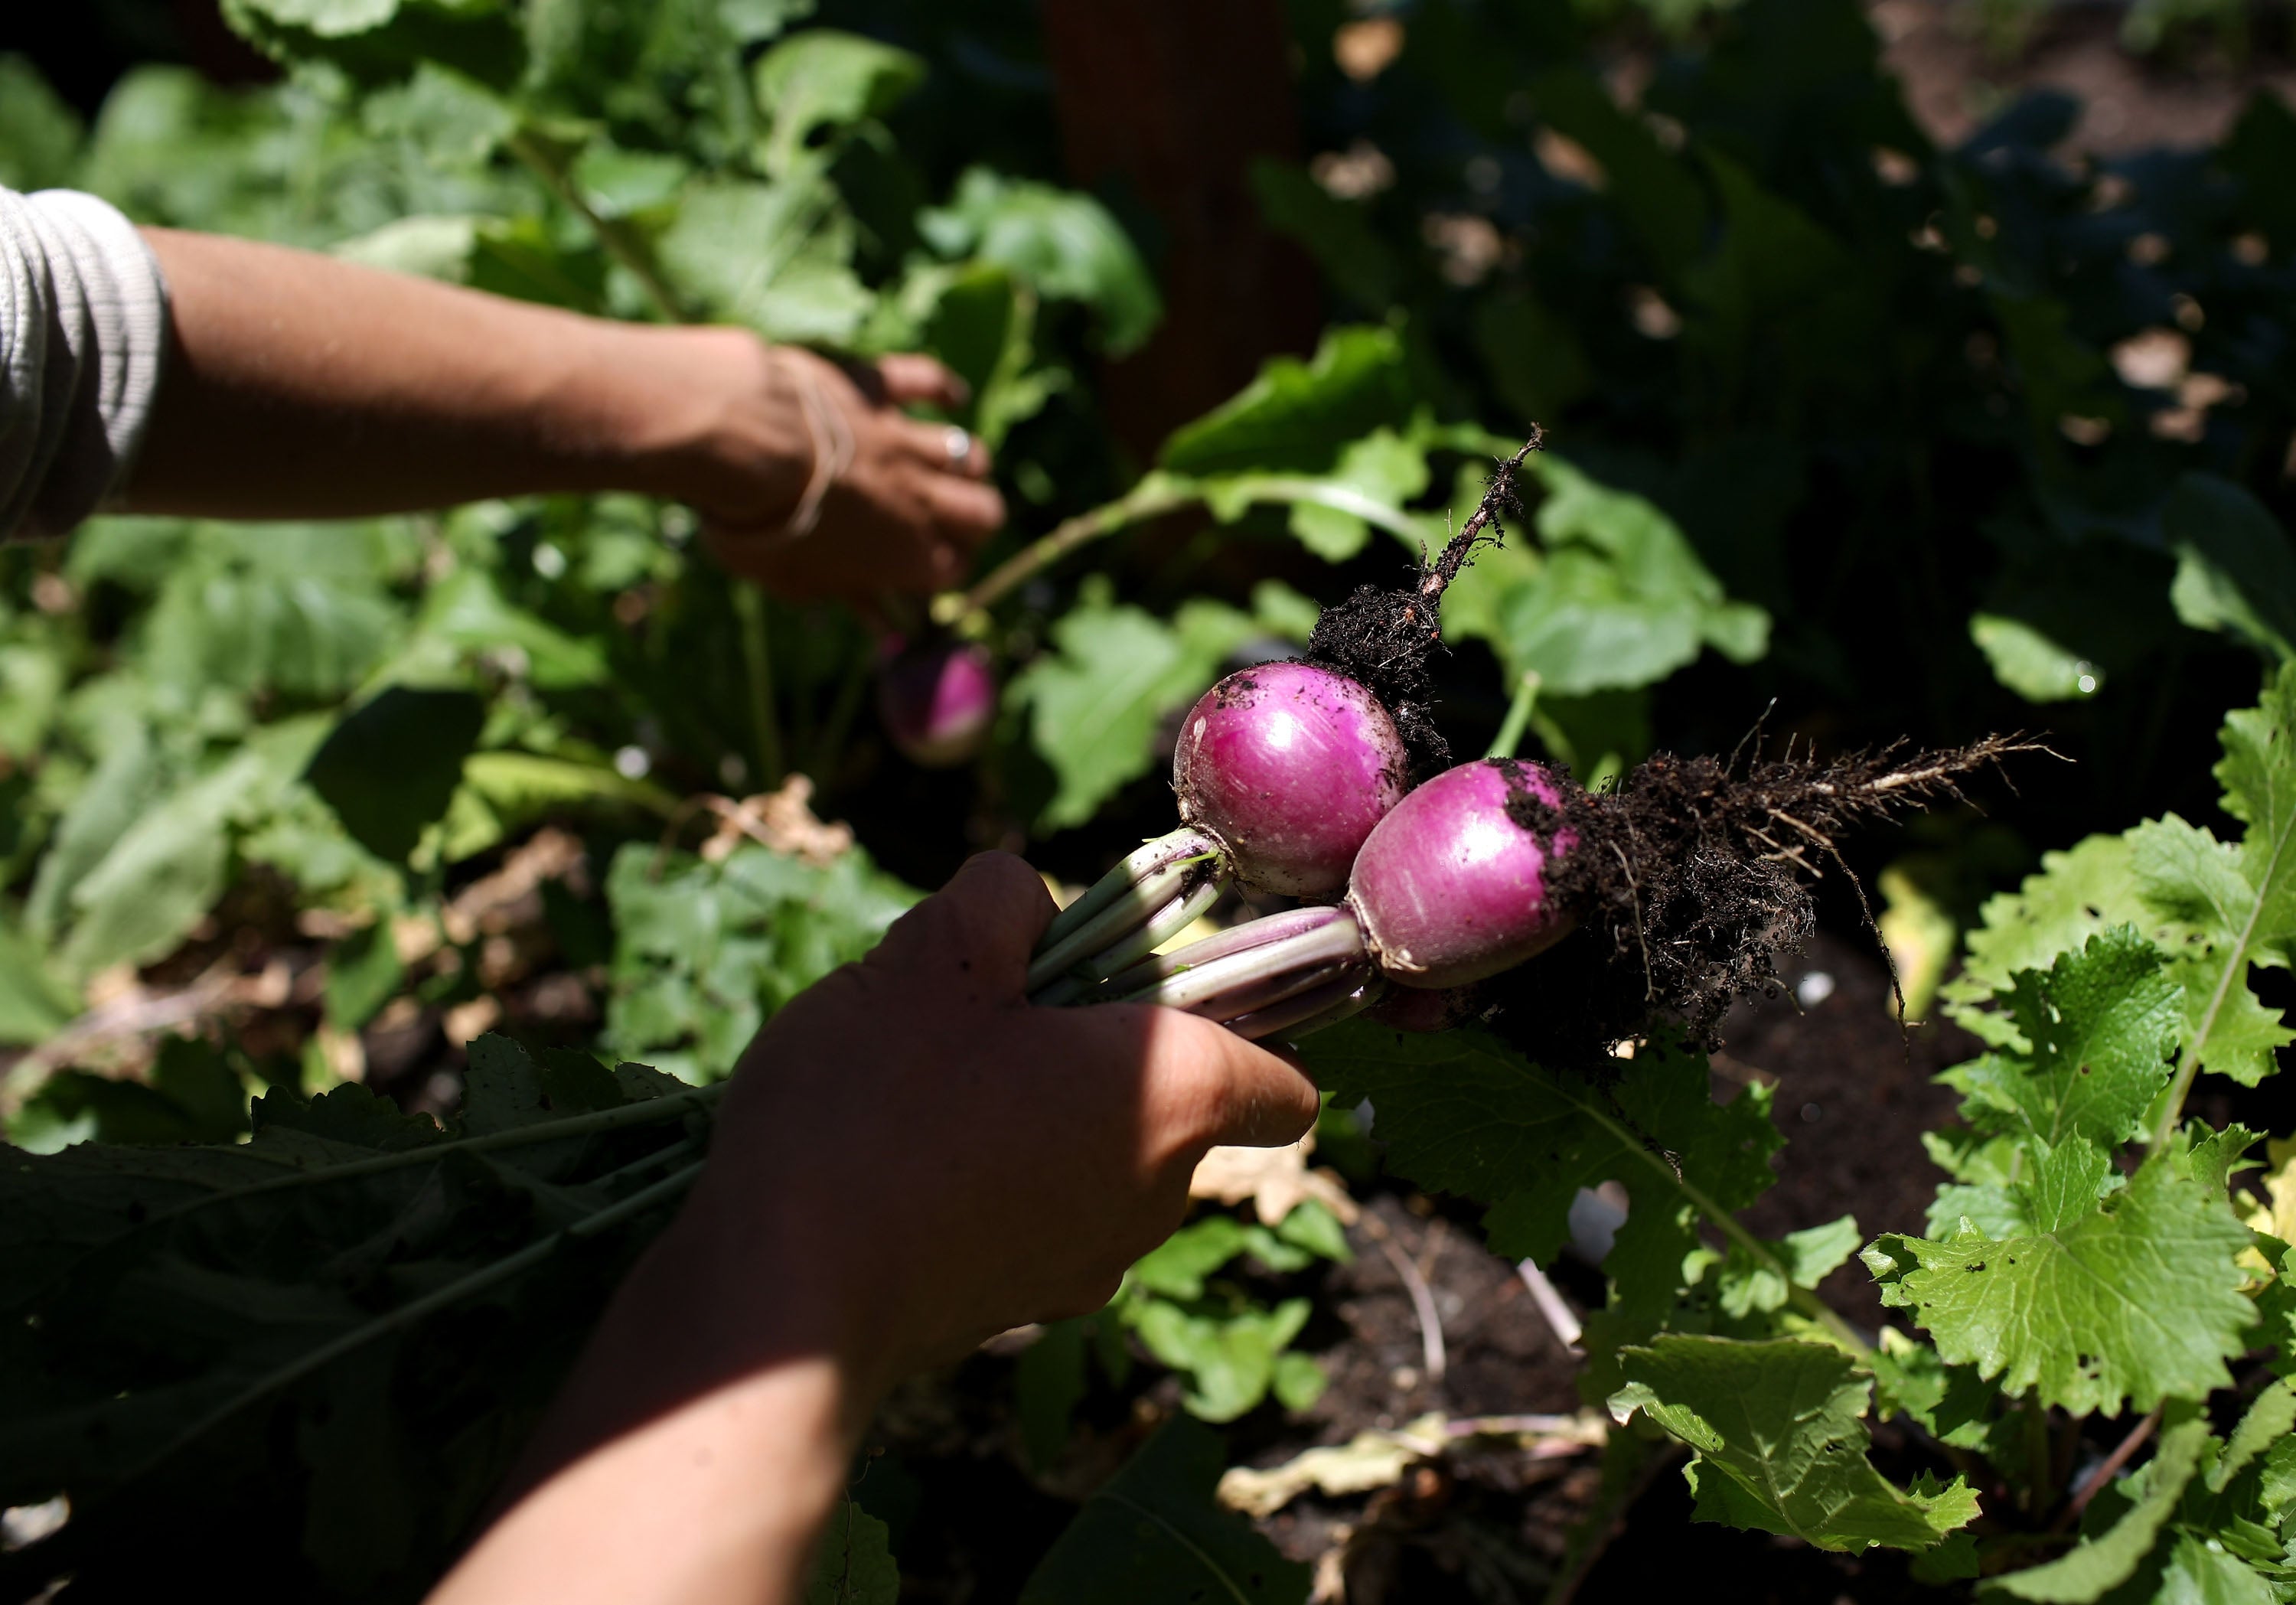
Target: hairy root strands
x=1694 y=880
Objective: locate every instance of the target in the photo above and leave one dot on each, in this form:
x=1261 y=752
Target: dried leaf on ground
x=511 y=897
x=1276 y=1180
x=783 y=821
x=1378 y=1459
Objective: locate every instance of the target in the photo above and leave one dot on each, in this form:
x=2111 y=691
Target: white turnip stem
x=1110 y=935
x=1184 y=844
x=1237 y=938
x=1238 y=982
x=1310 y=1011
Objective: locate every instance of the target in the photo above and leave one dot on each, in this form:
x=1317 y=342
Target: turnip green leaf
x=1781 y=1442
x=2132 y=1296
x=2102 y=1562
x=2099 y=1026
x=1095 y=703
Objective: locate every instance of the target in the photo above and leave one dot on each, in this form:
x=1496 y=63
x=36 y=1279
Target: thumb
x=1239 y=1093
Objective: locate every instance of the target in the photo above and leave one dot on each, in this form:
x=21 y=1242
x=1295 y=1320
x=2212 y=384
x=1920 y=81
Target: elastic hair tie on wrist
x=832 y=438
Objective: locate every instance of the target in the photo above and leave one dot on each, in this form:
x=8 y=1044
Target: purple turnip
x=1288 y=766
x=1282 y=771
x=936 y=700
x=1453 y=886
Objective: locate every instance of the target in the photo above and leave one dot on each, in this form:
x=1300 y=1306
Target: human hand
x=911 y=1157
x=933 y=1160
x=898 y=509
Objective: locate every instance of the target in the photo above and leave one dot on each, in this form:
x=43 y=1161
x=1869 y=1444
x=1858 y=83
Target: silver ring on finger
x=958 y=444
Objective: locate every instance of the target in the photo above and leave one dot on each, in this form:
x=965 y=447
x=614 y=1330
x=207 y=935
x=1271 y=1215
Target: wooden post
x=1166 y=104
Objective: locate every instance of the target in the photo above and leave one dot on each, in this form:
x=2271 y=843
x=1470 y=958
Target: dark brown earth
x=1852 y=1094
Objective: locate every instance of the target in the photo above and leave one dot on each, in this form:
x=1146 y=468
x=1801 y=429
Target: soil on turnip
x=1374 y=639
x=1690 y=882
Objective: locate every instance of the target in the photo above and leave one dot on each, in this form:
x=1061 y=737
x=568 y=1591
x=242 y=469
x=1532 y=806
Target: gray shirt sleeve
x=82 y=325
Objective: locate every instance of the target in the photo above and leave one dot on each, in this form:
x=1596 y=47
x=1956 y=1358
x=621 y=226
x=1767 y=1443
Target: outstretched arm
x=297 y=385
x=911 y=1159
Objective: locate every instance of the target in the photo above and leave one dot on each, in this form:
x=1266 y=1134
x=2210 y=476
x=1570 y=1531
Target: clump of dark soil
x=1690 y=879
x=1383 y=638
x=1373 y=639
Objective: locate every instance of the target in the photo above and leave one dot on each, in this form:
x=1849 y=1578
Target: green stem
x=750 y=605
x=1801 y=1297
x=1518 y=717
x=618 y=241
x=1293 y=489
x=2235 y=969
x=1158 y=494
x=2039 y=1461
x=1803 y=1300
x=1153 y=497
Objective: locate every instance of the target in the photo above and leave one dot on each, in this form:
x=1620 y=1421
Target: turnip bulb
x=936 y=700
x=1282 y=771
x=1456 y=883
x=1289 y=766
x=1453 y=885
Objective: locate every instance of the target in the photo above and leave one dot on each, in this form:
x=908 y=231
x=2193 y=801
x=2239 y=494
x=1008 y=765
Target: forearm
x=719 y=1501
x=297 y=385
x=693 y=1456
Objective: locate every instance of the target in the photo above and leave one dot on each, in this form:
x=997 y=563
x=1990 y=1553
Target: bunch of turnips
x=1425 y=886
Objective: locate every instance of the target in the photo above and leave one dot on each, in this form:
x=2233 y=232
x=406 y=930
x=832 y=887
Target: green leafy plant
x=1232 y=1350
x=331 y=1284
x=1910 y=439
x=2087 y=1260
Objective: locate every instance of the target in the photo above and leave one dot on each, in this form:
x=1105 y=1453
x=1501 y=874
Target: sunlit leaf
x=1299 y=415
x=823 y=78
x=2133 y=1296
x=1063 y=245
x=1096 y=701
x=1781 y=1443
x=2235 y=571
